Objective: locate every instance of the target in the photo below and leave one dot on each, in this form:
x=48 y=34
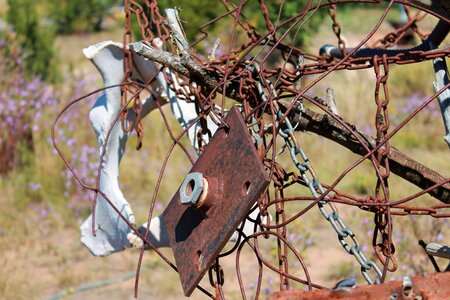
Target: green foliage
x=280 y=11
x=79 y=15
x=35 y=40
x=195 y=13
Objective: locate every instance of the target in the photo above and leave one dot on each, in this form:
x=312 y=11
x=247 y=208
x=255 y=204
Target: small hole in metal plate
x=246 y=188
x=200 y=260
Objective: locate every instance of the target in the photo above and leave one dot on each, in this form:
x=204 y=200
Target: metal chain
x=418 y=16
x=128 y=86
x=282 y=249
x=280 y=217
x=393 y=37
x=385 y=248
x=145 y=26
x=345 y=235
x=336 y=27
x=148 y=18
x=219 y=280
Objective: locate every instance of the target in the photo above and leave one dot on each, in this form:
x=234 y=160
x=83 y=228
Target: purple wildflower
x=34 y=186
x=44 y=213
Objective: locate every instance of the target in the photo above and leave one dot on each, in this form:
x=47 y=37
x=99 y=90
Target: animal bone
x=440 y=68
x=111 y=230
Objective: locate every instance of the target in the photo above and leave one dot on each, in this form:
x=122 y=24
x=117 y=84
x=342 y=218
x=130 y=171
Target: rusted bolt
x=192 y=188
x=202 y=192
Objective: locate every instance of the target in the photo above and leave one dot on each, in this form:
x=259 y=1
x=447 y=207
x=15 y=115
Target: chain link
x=336 y=27
x=148 y=18
x=394 y=37
x=383 y=222
x=282 y=252
x=219 y=279
x=328 y=209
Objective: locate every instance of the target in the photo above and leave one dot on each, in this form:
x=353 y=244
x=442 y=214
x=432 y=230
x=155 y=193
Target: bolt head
x=191 y=189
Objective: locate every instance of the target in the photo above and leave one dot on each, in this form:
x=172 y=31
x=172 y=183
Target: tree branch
x=399 y=163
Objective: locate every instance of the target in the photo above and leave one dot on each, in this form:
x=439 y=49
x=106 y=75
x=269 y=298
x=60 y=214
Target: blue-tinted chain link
x=310 y=179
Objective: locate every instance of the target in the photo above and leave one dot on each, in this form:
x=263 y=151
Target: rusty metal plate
x=431 y=287
x=196 y=240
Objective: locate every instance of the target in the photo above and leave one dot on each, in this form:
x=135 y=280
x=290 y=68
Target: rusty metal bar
x=430 y=288
x=400 y=164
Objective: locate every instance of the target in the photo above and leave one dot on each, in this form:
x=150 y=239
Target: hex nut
x=192 y=188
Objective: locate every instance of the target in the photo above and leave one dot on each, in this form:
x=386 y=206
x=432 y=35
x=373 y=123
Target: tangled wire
x=278 y=107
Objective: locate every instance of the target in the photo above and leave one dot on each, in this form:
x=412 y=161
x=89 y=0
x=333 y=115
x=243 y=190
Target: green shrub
x=35 y=40
x=71 y=16
x=195 y=13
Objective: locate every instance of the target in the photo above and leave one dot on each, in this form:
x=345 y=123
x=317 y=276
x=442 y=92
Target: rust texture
x=197 y=238
x=433 y=287
x=401 y=164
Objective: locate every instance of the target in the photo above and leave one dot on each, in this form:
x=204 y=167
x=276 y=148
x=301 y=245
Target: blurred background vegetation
x=41 y=205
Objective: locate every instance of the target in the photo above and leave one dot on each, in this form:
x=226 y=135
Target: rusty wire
x=238 y=76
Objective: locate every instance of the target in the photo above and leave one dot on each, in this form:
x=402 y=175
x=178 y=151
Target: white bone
x=111 y=230
x=112 y=233
x=158 y=235
x=440 y=68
